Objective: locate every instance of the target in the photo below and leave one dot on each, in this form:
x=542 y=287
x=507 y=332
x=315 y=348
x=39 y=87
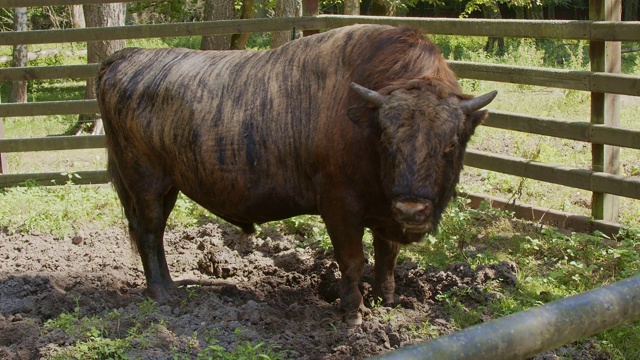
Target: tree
x=383 y=7
x=77 y=17
x=490 y=10
x=352 y=7
x=285 y=8
x=217 y=10
x=18 y=89
x=103 y=15
x=239 y=41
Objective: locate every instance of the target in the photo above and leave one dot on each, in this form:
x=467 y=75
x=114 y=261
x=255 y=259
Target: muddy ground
x=275 y=288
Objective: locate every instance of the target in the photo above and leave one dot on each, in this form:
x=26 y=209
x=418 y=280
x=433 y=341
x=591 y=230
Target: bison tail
x=123 y=194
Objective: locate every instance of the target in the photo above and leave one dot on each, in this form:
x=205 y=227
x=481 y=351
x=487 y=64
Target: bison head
x=423 y=136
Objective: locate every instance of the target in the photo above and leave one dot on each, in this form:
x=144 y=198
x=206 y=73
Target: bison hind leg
x=147 y=208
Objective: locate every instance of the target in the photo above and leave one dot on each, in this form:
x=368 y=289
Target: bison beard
x=364 y=125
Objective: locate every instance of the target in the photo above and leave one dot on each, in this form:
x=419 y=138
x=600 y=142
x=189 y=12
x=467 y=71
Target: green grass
x=114 y=333
x=551 y=265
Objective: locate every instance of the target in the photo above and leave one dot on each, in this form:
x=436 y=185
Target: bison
x=364 y=125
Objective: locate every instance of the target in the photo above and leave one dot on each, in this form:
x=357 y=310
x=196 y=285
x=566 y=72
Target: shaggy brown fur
x=261 y=136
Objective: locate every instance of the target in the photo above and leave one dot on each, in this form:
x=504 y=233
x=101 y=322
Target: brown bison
x=364 y=125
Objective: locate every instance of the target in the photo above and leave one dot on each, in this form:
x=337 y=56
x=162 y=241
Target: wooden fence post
x=310 y=8
x=4 y=168
x=605 y=108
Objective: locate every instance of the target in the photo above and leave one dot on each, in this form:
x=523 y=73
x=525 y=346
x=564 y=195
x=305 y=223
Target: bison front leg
x=386 y=253
x=347 y=246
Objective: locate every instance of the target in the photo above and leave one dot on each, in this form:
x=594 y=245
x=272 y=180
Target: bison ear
x=363 y=116
x=471 y=123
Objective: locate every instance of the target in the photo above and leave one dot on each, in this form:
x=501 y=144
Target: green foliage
x=551 y=264
x=158 y=12
x=187 y=213
x=259 y=41
x=308 y=227
x=93 y=340
x=60 y=210
x=244 y=350
x=189 y=42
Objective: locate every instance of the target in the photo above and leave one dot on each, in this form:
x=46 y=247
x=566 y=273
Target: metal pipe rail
x=531 y=332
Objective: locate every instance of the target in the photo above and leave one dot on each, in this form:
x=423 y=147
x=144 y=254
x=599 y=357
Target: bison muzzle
x=364 y=125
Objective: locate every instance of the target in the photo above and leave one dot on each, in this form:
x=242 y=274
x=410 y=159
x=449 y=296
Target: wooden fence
x=600 y=131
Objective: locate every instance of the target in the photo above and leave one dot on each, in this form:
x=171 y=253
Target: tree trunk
x=383 y=8
x=18 y=89
x=551 y=11
x=494 y=44
x=520 y=10
x=352 y=7
x=261 y=8
x=535 y=12
x=104 y=15
x=77 y=17
x=286 y=8
x=239 y=41
x=631 y=10
x=217 y=10
x=4 y=166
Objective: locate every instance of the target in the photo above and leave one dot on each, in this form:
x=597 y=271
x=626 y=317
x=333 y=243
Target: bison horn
x=371 y=96
x=477 y=103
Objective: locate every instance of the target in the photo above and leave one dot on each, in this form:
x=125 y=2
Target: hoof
x=354 y=319
x=162 y=294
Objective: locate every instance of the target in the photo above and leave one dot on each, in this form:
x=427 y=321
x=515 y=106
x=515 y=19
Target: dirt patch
x=269 y=286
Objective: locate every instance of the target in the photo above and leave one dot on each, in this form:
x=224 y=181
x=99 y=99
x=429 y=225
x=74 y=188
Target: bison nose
x=412 y=211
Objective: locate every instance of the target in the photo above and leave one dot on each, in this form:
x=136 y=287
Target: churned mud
x=272 y=288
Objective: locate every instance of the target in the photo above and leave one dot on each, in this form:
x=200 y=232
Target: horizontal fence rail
x=572 y=130
x=579 y=30
x=32 y=3
x=565 y=79
x=564 y=129
x=49 y=72
x=49 y=108
x=556 y=174
x=53 y=143
x=557 y=78
x=55 y=178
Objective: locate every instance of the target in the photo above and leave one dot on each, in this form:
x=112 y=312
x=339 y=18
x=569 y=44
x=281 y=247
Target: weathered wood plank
x=85 y=177
x=467 y=27
x=159 y=30
x=605 y=108
x=49 y=72
x=566 y=79
x=31 y=3
x=53 y=143
x=475 y=27
x=49 y=108
x=565 y=129
x=615 y=30
x=4 y=166
x=615 y=83
x=555 y=174
x=559 y=219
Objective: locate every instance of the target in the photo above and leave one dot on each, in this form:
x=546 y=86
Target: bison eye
x=450 y=147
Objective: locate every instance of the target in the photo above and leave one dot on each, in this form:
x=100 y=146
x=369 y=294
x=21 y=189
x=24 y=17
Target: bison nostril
x=412 y=211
